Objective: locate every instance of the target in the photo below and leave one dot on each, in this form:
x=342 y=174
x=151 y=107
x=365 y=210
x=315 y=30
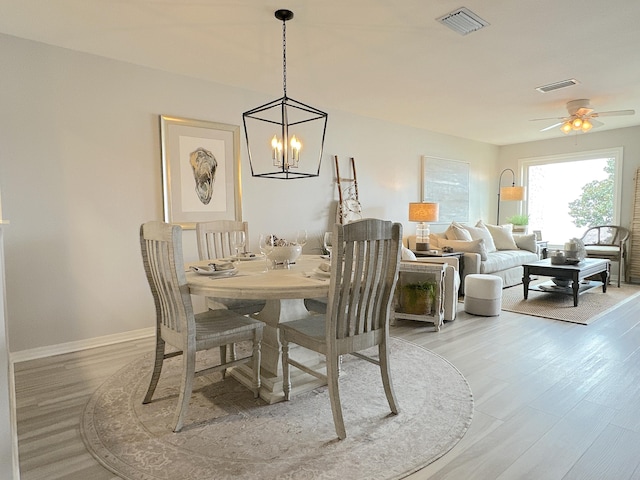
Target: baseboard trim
x=50 y=350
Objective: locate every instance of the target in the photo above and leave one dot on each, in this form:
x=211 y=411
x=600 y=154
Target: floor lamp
x=423 y=212
x=511 y=193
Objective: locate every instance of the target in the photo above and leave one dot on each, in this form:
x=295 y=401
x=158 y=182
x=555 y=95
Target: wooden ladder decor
x=349 y=201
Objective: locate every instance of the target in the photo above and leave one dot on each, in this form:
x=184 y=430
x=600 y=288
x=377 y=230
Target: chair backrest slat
x=161 y=246
x=365 y=263
x=214 y=238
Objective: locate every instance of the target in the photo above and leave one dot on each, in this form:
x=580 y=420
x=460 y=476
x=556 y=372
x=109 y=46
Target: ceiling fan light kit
x=581 y=117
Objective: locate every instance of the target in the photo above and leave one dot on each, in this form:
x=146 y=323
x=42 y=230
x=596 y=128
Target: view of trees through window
x=565 y=198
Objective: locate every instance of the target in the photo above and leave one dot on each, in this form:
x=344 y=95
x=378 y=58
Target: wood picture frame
x=200 y=171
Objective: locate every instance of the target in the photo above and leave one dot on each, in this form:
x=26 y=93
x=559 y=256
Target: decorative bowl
x=282 y=254
x=561 y=282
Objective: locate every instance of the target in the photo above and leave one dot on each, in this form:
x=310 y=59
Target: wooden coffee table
x=575 y=273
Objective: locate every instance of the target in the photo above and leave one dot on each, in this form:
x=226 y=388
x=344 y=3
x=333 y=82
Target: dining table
x=284 y=290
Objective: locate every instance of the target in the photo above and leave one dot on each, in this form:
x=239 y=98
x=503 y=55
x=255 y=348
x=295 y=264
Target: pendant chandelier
x=287 y=135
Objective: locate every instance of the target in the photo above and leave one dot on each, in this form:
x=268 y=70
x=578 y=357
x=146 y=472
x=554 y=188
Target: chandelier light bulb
x=577 y=123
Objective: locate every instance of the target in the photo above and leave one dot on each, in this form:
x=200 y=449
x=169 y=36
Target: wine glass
x=301 y=237
x=327 y=242
x=238 y=240
x=265 y=243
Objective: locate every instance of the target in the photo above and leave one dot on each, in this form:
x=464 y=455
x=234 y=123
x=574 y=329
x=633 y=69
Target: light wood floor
x=553 y=400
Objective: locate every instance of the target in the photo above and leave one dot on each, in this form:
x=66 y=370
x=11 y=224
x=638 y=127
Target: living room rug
x=229 y=434
x=592 y=304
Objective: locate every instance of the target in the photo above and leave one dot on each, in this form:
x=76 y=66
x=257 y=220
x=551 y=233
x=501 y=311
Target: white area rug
x=592 y=304
x=228 y=434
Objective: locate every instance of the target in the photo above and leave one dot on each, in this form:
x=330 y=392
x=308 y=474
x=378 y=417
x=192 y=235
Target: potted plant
x=520 y=223
x=418 y=298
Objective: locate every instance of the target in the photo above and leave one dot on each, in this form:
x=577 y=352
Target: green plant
x=519 y=219
x=418 y=298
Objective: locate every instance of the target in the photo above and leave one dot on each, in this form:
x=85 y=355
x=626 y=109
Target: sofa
x=488 y=249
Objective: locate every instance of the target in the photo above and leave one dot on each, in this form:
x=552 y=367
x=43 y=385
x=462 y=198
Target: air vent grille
x=557 y=85
x=463 y=21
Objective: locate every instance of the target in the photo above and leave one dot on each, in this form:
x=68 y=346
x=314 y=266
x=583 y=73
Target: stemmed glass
x=327 y=242
x=238 y=241
x=265 y=243
x=301 y=237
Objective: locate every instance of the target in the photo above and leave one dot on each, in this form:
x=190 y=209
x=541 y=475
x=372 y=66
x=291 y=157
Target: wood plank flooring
x=553 y=400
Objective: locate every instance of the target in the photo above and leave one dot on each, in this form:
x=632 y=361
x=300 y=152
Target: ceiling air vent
x=463 y=21
x=557 y=85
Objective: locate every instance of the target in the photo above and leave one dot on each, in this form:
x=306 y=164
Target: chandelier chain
x=284 y=57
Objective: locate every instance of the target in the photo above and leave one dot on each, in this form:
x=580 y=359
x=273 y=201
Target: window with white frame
x=566 y=194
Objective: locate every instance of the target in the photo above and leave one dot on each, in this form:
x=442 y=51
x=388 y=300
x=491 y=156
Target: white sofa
x=488 y=249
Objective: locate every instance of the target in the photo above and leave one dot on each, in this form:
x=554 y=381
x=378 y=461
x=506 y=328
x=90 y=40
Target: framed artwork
x=538 y=234
x=200 y=171
x=447 y=183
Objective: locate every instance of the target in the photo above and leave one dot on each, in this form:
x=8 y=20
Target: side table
x=440 y=253
x=418 y=308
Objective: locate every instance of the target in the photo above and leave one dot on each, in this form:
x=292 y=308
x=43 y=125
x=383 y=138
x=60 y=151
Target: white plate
x=214 y=273
x=257 y=256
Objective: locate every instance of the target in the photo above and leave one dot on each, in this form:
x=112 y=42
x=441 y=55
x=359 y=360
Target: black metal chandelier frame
x=286 y=170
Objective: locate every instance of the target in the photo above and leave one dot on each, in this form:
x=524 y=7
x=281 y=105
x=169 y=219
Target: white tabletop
x=253 y=280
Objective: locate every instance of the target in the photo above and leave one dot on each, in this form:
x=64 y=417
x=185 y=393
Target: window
x=568 y=193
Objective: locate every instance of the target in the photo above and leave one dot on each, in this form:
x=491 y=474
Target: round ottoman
x=482 y=294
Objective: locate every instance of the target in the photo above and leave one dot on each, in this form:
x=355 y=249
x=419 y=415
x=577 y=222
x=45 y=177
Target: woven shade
x=512 y=193
x=424 y=212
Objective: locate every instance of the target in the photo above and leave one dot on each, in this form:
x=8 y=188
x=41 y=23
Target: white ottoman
x=482 y=294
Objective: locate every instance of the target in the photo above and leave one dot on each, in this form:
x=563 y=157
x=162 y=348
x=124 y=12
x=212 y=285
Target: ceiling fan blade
x=613 y=113
x=548 y=118
x=552 y=126
x=595 y=123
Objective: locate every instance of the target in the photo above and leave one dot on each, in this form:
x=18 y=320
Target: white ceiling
x=380 y=58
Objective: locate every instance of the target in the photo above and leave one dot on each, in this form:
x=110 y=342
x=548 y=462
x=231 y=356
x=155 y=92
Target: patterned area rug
x=592 y=304
x=228 y=434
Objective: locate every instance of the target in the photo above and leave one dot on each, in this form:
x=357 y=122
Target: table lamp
x=423 y=212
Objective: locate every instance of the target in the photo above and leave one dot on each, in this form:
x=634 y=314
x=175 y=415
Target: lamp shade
x=424 y=212
x=512 y=193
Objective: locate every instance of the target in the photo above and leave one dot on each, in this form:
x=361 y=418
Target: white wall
x=80 y=171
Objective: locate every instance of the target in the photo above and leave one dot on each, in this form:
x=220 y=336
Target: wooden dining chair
x=608 y=242
x=364 y=272
x=179 y=327
x=214 y=241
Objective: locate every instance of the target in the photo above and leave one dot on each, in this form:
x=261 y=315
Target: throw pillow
x=502 y=236
x=526 y=242
x=478 y=233
x=474 y=246
x=457 y=232
x=435 y=239
x=407 y=254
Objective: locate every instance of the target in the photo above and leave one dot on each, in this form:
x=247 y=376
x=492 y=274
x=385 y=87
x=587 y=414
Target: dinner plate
x=214 y=273
x=242 y=258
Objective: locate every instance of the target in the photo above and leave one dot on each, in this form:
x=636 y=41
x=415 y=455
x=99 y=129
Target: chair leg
x=383 y=355
x=188 y=371
x=257 y=338
x=334 y=395
x=286 y=380
x=157 y=369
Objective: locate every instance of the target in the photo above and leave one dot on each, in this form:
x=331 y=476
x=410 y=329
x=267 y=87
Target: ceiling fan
x=581 y=117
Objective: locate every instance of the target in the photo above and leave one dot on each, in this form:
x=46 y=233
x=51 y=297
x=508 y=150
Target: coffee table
x=576 y=273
